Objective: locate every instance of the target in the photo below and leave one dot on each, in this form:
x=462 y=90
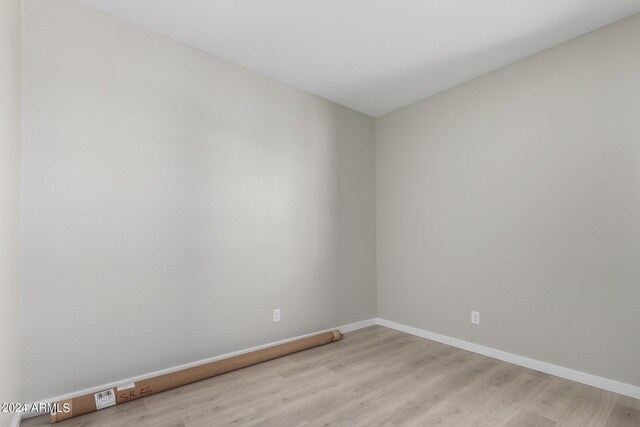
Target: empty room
x=286 y=213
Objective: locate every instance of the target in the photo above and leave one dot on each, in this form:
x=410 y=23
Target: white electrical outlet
x=276 y=314
x=475 y=317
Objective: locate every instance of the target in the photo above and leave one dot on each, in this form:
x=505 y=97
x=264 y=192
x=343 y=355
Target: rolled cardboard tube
x=116 y=396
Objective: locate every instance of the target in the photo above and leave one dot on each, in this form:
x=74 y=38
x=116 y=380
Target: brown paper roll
x=87 y=403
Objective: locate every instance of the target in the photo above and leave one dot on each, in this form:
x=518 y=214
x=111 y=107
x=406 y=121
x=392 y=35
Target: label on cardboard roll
x=104 y=399
x=126 y=386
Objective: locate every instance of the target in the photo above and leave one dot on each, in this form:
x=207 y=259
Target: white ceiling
x=370 y=55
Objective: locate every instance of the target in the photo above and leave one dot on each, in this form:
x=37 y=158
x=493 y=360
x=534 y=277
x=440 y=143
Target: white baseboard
x=536 y=365
x=17 y=417
x=344 y=329
x=355 y=326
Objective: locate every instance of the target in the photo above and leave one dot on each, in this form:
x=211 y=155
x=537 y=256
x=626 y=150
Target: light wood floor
x=375 y=377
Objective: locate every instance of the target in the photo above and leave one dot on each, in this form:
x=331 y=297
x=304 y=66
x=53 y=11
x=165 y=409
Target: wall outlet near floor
x=276 y=314
x=475 y=317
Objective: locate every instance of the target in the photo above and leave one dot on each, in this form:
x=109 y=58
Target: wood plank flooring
x=375 y=377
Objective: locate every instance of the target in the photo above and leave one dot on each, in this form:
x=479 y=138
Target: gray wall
x=172 y=200
x=9 y=204
x=517 y=194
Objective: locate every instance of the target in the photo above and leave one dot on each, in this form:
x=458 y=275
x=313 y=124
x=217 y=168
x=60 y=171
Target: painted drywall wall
x=172 y=200
x=9 y=205
x=517 y=195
